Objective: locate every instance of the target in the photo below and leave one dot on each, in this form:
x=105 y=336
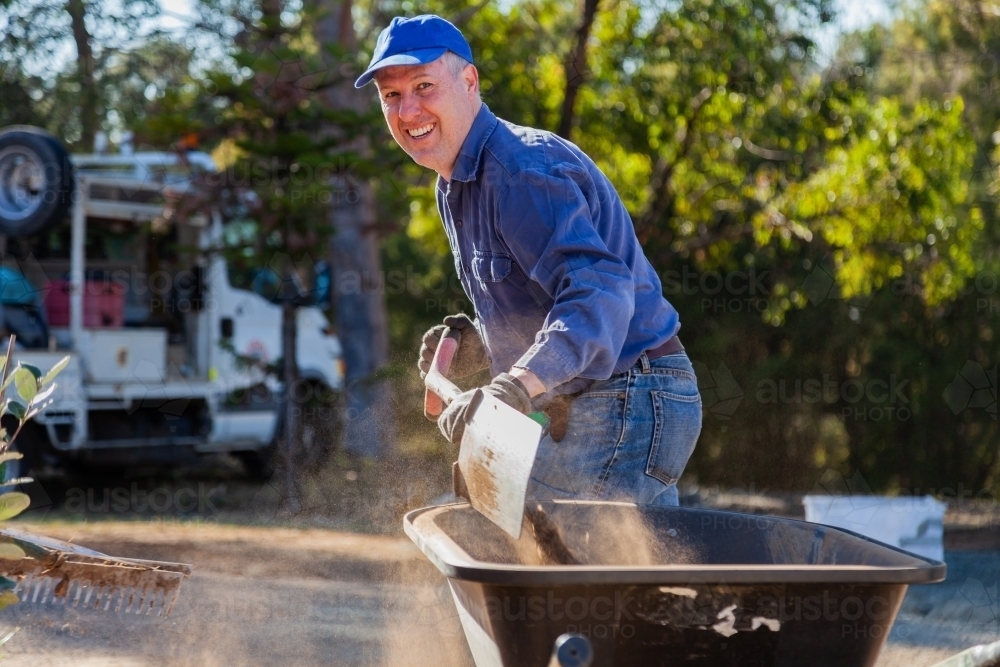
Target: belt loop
x=644 y=361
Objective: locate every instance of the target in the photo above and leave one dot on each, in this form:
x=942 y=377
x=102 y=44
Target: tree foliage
x=812 y=222
x=79 y=67
x=857 y=208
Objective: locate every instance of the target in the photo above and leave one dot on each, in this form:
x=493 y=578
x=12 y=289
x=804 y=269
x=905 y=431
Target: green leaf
x=12 y=504
x=54 y=371
x=34 y=370
x=17 y=410
x=36 y=408
x=10 y=551
x=43 y=394
x=26 y=383
x=7 y=598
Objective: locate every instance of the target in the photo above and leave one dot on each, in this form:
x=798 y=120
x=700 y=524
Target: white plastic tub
x=913 y=523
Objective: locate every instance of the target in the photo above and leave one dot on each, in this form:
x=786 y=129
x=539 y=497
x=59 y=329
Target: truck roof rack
x=134 y=186
x=159 y=167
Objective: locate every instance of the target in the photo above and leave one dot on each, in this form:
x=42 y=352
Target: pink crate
x=103 y=304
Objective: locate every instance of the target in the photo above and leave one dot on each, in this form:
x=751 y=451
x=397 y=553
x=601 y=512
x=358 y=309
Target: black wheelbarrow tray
x=671 y=586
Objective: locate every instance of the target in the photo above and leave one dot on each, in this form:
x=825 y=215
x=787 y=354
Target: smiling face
x=429 y=109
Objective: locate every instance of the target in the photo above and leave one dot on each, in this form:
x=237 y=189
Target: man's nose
x=409 y=108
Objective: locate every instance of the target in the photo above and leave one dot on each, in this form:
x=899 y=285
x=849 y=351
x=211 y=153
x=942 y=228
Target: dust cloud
x=421 y=624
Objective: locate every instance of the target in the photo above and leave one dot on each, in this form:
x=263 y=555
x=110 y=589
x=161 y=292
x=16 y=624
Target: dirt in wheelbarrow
x=318 y=597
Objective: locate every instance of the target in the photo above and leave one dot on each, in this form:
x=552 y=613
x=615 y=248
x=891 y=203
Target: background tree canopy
x=827 y=229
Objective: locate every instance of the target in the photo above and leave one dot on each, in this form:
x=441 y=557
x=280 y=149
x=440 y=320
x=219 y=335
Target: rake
x=56 y=573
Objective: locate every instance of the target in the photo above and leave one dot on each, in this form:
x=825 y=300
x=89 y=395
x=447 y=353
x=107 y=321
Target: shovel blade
x=497 y=453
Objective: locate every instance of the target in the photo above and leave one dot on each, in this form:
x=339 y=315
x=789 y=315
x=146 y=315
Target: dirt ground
x=337 y=584
x=259 y=596
x=311 y=597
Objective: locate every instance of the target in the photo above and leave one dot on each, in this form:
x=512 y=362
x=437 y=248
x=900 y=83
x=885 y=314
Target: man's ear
x=470 y=77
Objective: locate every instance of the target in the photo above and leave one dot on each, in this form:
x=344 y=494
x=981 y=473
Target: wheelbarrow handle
x=439 y=390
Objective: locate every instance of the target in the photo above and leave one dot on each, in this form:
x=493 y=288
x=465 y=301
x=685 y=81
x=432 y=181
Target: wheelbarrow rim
x=455 y=563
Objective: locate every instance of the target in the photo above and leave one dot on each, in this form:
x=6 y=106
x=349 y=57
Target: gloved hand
x=558 y=413
x=471 y=355
x=505 y=387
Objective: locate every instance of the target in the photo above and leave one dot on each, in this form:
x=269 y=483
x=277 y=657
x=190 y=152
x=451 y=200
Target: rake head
x=52 y=572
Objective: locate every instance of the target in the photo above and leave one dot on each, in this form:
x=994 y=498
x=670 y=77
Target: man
x=570 y=314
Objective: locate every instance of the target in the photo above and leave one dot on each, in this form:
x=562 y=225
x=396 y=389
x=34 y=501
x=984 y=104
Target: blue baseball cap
x=416 y=41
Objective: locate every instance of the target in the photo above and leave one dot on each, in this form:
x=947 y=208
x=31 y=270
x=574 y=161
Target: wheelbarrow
x=669 y=586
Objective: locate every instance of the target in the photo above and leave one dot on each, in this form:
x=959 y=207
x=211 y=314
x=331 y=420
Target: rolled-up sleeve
x=547 y=221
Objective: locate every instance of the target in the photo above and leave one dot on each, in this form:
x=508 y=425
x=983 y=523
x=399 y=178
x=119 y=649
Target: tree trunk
x=356 y=286
x=576 y=68
x=89 y=118
x=292 y=411
x=361 y=324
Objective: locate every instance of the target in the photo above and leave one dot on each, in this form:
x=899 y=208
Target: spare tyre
x=36 y=180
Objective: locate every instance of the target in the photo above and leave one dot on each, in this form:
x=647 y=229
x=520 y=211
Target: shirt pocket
x=490 y=267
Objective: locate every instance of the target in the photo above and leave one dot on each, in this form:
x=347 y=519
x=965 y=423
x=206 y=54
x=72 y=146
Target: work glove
x=558 y=414
x=504 y=387
x=471 y=355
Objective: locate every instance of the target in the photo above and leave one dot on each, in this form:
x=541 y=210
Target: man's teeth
x=421 y=131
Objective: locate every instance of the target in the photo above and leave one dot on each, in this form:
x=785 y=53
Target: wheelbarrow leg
x=571 y=650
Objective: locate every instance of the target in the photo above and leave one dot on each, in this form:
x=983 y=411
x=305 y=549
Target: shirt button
x=465 y=268
x=458 y=223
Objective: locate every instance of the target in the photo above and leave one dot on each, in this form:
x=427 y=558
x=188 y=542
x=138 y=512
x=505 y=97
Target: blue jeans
x=628 y=437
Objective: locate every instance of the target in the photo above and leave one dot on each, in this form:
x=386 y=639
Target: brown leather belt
x=670 y=347
x=558 y=409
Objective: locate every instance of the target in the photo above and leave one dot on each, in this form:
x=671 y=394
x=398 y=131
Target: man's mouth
x=421 y=131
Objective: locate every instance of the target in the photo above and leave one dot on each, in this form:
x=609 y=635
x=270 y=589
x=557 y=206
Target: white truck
x=147 y=309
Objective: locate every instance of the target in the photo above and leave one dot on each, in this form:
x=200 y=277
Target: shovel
x=498 y=446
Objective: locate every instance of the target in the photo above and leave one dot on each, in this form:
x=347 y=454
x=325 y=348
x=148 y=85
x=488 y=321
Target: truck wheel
x=258 y=464
x=320 y=425
x=36 y=180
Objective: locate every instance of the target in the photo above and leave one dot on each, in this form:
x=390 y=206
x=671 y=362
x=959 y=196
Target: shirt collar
x=472 y=148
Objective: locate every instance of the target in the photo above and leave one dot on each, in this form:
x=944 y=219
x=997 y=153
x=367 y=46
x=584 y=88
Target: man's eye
x=388 y=95
x=425 y=84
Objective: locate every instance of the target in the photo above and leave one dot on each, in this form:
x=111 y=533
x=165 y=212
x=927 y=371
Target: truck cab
x=146 y=307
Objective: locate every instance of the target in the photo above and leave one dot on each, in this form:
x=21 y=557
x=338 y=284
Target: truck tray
x=671 y=586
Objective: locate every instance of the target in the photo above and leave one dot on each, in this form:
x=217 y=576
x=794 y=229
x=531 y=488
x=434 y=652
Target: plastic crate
x=103 y=304
x=912 y=523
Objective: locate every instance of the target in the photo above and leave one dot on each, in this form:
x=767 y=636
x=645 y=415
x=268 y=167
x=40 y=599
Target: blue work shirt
x=548 y=256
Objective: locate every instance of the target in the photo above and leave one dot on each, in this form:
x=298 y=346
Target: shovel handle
x=439 y=390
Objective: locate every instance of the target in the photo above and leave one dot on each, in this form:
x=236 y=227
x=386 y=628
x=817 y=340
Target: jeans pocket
x=677 y=424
